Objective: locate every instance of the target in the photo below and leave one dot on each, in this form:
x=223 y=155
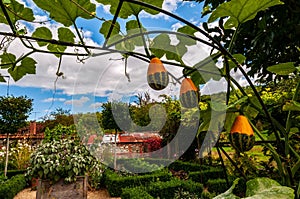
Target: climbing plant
x=134 y=35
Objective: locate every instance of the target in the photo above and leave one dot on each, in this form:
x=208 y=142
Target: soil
x=99 y=194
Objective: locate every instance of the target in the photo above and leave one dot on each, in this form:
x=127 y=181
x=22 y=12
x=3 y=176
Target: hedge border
x=114 y=182
x=12 y=186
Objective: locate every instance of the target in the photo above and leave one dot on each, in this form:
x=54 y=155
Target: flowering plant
x=61 y=159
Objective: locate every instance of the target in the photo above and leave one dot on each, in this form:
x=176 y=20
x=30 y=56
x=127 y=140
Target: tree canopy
x=271 y=37
x=14 y=112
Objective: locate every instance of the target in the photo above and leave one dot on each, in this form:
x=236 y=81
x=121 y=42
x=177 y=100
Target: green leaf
x=56 y=48
x=66 y=35
x=114 y=36
x=27 y=66
x=240 y=11
x=160 y=45
x=8 y=60
x=208 y=69
x=2 y=78
x=238 y=102
x=283 y=68
x=266 y=188
x=13 y=7
x=239 y=57
x=129 y=9
x=132 y=28
x=43 y=33
x=291 y=106
x=66 y=12
x=186 y=40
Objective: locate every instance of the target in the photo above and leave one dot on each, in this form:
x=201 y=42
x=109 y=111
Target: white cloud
x=78 y=102
x=50 y=99
x=176 y=26
x=96 y=105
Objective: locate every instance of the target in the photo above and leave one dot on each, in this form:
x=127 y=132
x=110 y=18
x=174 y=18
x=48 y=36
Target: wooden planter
x=60 y=190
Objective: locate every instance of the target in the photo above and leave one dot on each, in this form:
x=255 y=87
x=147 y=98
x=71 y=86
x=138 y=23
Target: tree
x=59 y=116
x=271 y=37
x=13 y=114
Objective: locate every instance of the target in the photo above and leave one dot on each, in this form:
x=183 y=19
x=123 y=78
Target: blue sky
x=85 y=86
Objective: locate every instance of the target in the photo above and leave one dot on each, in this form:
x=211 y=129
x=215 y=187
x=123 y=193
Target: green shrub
x=204 y=175
x=186 y=166
x=138 y=165
x=115 y=182
x=11 y=187
x=217 y=185
x=168 y=189
x=135 y=193
x=11 y=173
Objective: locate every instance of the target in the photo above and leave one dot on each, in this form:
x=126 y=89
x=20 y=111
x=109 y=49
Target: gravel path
x=99 y=194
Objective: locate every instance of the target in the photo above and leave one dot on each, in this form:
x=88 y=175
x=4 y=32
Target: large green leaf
x=8 y=60
x=185 y=40
x=283 y=68
x=132 y=28
x=16 y=11
x=240 y=11
x=129 y=9
x=43 y=33
x=208 y=69
x=260 y=188
x=66 y=35
x=66 y=12
x=27 y=66
x=160 y=45
x=266 y=188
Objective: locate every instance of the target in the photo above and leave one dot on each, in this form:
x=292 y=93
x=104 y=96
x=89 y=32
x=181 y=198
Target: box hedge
x=217 y=185
x=166 y=190
x=162 y=190
x=187 y=166
x=204 y=175
x=12 y=187
x=135 y=193
x=115 y=182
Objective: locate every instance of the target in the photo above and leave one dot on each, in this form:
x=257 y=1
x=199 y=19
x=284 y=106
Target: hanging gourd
x=241 y=134
x=157 y=75
x=189 y=96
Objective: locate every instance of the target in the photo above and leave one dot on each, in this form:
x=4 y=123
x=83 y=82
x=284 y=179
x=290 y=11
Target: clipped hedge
x=114 y=182
x=12 y=187
x=162 y=190
x=186 y=166
x=135 y=193
x=11 y=173
x=217 y=185
x=204 y=175
x=166 y=190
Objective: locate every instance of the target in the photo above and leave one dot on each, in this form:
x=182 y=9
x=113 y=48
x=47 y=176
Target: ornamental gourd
x=157 y=75
x=188 y=94
x=241 y=134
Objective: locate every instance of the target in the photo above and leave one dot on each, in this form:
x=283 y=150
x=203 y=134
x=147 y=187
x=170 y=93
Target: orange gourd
x=241 y=134
x=157 y=75
x=188 y=93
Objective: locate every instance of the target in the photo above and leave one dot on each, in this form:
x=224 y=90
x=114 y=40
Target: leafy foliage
x=13 y=113
x=62 y=159
x=261 y=188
